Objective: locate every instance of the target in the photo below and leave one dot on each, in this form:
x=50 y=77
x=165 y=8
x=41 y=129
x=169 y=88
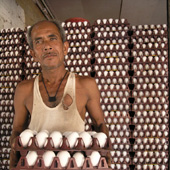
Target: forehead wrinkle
x=52 y=35
x=39 y=38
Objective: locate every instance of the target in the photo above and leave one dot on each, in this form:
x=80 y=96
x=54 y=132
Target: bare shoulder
x=88 y=86
x=86 y=81
x=24 y=86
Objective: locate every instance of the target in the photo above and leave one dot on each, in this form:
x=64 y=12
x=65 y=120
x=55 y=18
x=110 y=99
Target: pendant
x=52 y=99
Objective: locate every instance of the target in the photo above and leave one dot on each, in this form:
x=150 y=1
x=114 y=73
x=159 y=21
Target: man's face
x=48 y=48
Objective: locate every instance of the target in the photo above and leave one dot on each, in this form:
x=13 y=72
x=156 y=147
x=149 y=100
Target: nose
x=47 y=46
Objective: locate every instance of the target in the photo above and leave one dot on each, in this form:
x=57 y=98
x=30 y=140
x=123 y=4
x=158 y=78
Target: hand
x=108 y=159
x=14 y=155
x=14 y=158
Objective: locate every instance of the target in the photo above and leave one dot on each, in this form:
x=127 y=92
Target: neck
x=54 y=75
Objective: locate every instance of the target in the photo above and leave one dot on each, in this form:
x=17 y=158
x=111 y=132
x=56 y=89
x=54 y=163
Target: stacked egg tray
x=102 y=165
x=112 y=79
x=110 y=61
x=149 y=75
x=119 y=132
x=118 y=123
x=11 y=73
x=78 y=59
x=110 y=69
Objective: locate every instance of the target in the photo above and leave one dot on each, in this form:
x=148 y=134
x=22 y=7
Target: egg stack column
x=11 y=52
x=111 y=68
x=150 y=95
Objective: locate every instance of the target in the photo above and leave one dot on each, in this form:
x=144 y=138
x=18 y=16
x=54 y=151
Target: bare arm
x=20 y=120
x=94 y=108
x=95 y=111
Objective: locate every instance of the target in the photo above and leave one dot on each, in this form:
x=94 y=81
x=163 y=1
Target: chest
x=66 y=100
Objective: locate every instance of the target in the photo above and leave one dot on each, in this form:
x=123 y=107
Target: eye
x=53 y=38
x=38 y=41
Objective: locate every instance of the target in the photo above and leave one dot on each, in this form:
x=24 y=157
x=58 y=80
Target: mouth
x=49 y=55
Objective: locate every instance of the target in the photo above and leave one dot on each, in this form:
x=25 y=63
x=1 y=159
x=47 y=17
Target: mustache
x=49 y=54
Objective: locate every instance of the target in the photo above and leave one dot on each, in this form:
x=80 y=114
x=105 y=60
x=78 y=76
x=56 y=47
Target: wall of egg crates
x=130 y=66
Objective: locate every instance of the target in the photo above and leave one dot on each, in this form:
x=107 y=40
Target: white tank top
x=57 y=118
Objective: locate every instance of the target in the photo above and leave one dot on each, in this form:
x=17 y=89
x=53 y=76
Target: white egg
x=31 y=158
x=48 y=157
x=26 y=136
x=41 y=138
x=86 y=137
x=67 y=133
x=72 y=138
x=79 y=158
x=95 y=158
x=64 y=157
x=92 y=132
x=102 y=138
x=57 y=138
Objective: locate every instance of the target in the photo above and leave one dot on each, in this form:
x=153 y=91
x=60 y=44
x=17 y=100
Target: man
x=56 y=99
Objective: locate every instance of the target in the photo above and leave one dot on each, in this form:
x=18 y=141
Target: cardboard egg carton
x=151 y=166
x=79 y=146
x=115 y=54
x=149 y=52
x=143 y=107
x=56 y=165
x=150 y=93
x=151 y=79
x=150 y=159
x=145 y=147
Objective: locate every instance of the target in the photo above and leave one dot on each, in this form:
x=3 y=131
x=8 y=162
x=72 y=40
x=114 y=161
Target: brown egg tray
x=123 y=100
x=115 y=74
x=136 y=65
x=149 y=38
x=150 y=52
x=150 y=146
x=154 y=73
x=77 y=26
x=151 y=79
x=6 y=108
x=151 y=102
x=108 y=49
x=73 y=43
x=77 y=37
x=151 y=120
x=118 y=56
x=99 y=41
x=152 y=33
x=80 y=49
x=150 y=154
x=116 y=107
x=148 y=160
x=150 y=141
x=123 y=134
x=64 y=146
x=148 y=93
x=23 y=164
x=152 y=47
x=149 y=134
x=152 y=167
x=154 y=148
x=121 y=120
x=152 y=107
x=105 y=62
x=111 y=23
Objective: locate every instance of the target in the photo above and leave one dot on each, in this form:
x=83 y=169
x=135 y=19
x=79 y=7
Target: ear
x=33 y=55
x=66 y=46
